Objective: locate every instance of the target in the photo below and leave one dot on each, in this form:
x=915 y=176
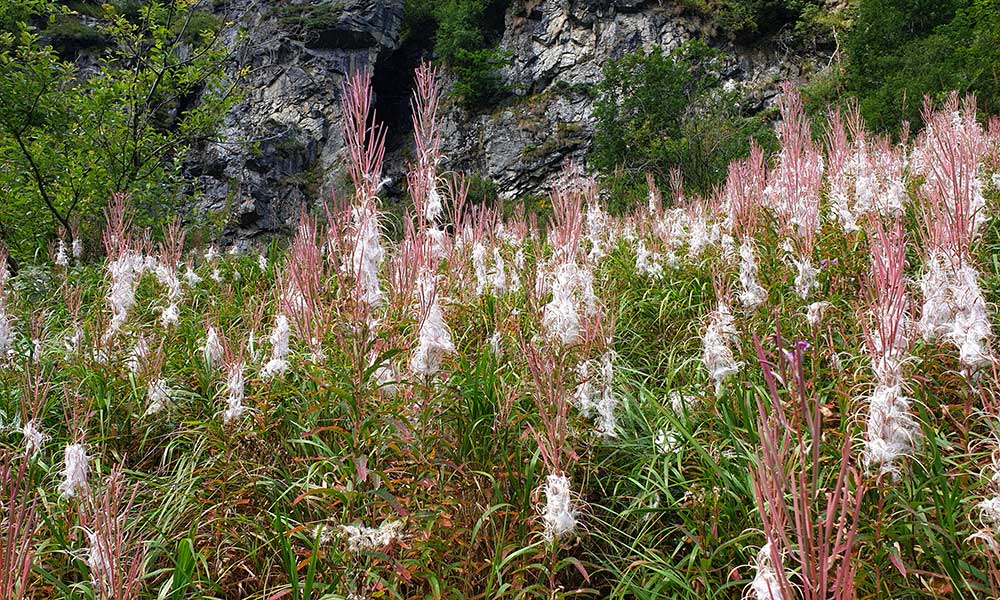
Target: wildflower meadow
x=787 y=388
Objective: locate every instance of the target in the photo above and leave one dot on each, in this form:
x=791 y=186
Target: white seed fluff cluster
x=765 y=584
x=367 y=255
x=62 y=258
x=892 y=432
x=361 y=538
x=434 y=340
x=99 y=560
x=33 y=438
x=805 y=277
x=212 y=348
x=717 y=355
x=558 y=515
x=234 y=391
x=157 y=396
x=954 y=309
x=278 y=363
x=572 y=289
x=607 y=402
x=125 y=273
x=646 y=262
x=752 y=294
x=76 y=463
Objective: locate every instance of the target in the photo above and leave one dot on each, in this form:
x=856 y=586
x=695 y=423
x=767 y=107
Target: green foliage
x=658 y=111
x=197 y=27
x=310 y=20
x=463 y=35
x=901 y=50
x=482 y=190
x=462 y=43
x=67 y=142
x=68 y=36
x=747 y=20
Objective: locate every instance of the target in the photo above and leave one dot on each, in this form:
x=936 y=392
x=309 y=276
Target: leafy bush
x=746 y=20
x=659 y=111
x=463 y=34
x=901 y=50
x=310 y=20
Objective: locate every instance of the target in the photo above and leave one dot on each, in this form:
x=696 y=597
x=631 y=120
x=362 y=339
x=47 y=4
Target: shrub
x=748 y=20
x=463 y=35
x=901 y=50
x=310 y=20
x=659 y=111
x=466 y=44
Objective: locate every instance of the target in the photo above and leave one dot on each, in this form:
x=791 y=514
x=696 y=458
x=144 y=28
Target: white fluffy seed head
x=765 y=584
x=170 y=316
x=157 y=396
x=717 y=356
x=76 y=464
x=33 y=438
x=212 y=348
x=434 y=343
x=805 y=277
x=361 y=538
x=234 y=390
x=62 y=259
x=892 y=432
x=752 y=294
x=558 y=515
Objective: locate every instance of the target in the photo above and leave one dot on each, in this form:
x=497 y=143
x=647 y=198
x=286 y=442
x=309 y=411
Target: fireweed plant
x=784 y=389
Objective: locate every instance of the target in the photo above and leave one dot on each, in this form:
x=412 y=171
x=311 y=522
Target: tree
x=70 y=138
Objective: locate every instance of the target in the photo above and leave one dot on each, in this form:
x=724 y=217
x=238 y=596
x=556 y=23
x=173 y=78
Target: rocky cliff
x=557 y=49
x=282 y=143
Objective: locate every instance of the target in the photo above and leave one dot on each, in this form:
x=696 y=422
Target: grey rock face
x=283 y=142
x=559 y=49
x=301 y=51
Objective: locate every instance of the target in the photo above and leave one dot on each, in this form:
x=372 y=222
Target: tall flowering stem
x=116 y=553
x=36 y=388
x=744 y=192
x=363 y=135
x=170 y=250
x=888 y=331
x=422 y=177
x=810 y=519
x=552 y=399
x=794 y=186
x=18 y=522
x=891 y=431
x=302 y=284
x=365 y=140
x=125 y=265
x=720 y=335
x=950 y=154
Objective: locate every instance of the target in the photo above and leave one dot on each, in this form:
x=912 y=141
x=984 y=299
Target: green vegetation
x=463 y=35
x=310 y=20
x=748 y=20
x=898 y=51
x=259 y=506
x=68 y=36
x=661 y=111
x=69 y=141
